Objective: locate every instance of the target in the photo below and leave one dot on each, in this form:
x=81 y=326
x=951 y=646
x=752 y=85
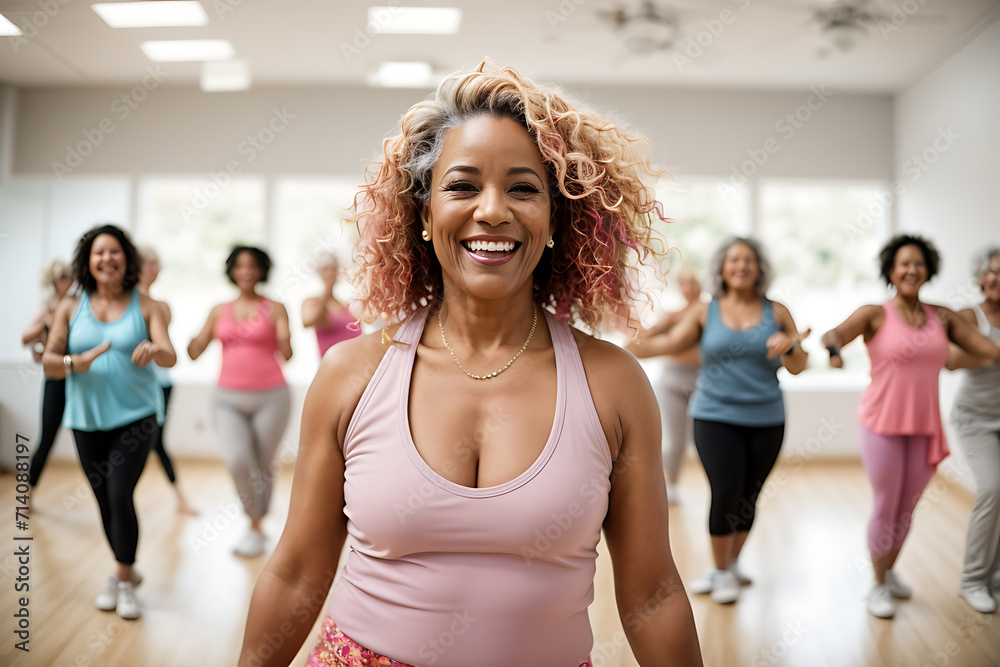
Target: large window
x=193 y=223
x=700 y=220
x=309 y=223
x=823 y=239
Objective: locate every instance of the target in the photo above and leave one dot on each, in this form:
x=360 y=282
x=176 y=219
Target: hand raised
x=143 y=353
x=82 y=365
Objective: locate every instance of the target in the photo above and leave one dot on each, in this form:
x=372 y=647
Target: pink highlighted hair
x=603 y=207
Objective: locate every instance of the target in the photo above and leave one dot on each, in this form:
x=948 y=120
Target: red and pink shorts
x=335 y=649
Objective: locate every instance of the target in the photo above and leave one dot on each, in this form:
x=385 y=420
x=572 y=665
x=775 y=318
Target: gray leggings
x=250 y=425
x=673 y=393
x=981 y=444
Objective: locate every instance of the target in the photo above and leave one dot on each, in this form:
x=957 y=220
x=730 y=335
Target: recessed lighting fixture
x=414 y=20
x=7 y=28
x=186 y=50
x=153 y=14
x=403 y=75
x=225 y=76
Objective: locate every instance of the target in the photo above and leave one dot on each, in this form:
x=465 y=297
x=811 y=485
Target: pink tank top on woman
x=451 y=576
x=249 y=350
x=902 y=398
x=336 y=329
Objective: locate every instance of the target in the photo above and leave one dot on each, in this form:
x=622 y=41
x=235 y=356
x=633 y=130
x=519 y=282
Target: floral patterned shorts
x=335 y=649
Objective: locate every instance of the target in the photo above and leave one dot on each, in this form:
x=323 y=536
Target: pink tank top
x=451 y=576
x=337 y=328
x=249 y=350
x=902 y=398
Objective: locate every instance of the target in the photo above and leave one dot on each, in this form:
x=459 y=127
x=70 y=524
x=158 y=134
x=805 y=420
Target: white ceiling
x=763 y=44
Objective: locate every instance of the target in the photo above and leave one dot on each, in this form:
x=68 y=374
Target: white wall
x=951 y=195
x=336 y=130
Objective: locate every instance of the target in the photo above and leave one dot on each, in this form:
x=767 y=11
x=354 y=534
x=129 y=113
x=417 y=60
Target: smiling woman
x=479 y=460
x=902 y=436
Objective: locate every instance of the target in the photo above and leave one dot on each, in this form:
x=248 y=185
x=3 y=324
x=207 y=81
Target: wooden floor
x=807 y=556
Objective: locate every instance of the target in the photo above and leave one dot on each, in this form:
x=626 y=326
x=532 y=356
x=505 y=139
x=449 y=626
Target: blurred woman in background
x=976 y=416
x=737 y=407
x=57 y=279
x=102 y=344
x=676 y=385
x=902 y=436
x=252 y=401
x=147 y=276
x=331 y=319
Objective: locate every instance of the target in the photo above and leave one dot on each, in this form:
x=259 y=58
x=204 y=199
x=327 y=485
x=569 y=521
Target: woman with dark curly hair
x=102 y=343
x=472 y=452
x=737 y=407
x=902 y=436
x=252 y=402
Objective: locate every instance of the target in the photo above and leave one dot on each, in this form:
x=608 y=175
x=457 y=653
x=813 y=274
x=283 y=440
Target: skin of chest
x=481 y=433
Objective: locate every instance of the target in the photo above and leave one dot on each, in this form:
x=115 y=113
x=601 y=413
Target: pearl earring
x=425 y=235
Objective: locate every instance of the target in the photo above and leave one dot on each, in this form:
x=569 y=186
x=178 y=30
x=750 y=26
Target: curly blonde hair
x=602 y=206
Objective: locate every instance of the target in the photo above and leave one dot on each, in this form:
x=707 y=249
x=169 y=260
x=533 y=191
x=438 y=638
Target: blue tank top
x=737 y=383
x=114 y=392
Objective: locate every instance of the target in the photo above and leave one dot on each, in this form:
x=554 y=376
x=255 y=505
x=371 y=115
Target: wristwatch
x=68 y=363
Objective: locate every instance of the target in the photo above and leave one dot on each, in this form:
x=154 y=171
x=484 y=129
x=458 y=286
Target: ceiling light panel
x=225 y=76
x=404 y=75
x=414 y=20
x=7 y=28
x=187 y=50
x=151 y=14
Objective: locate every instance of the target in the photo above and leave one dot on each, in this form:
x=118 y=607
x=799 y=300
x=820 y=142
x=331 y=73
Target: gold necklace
x=489 y=376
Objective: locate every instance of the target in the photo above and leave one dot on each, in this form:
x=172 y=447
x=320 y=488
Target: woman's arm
x=284 y=333
x=158 y=348
x=313 y=311
x=295 y=582
x=36 y=327
x=53 y=359
x=959 y=358
x=862 y=322
x=664 y=325
x=652 y=603
x=787 y=343
x=967 y=336
x=677 y=339
x=205 y=336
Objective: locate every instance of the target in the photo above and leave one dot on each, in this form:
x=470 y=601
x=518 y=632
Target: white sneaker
x=979 y=599
x=127 y=606
x=107 y=599
x=896 y=587
x=705 y=583
x=880 y=602
x=740 y=577
x=251 y=544
x=727 y=588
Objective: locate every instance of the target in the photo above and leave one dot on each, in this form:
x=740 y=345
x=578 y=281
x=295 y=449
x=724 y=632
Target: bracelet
x=68 y=363
x=834 y=351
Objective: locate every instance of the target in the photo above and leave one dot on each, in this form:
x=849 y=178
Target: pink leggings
x=898 y=470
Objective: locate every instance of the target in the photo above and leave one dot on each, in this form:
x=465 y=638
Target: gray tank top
x=979 y=396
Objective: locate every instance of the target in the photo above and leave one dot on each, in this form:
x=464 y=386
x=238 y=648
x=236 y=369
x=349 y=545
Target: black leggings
x=737 y=460
x=113 y=461
x=53 y=405
x=168 y=466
